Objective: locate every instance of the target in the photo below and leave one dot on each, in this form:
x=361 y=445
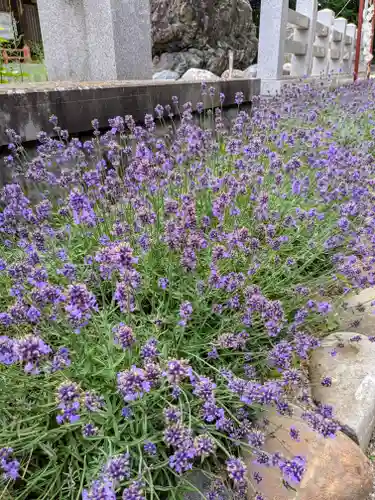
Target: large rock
x=358 y=313
x=287 y=67
x=166 y=74
x=336 y=469
x=351 y=366
x=200 y=75
x=199 y=480
x=212 y=26
x=236 y=74
x=178 y=62
x=251 y=71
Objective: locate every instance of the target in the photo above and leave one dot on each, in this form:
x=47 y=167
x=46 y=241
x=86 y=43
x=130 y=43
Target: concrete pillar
x=351 y=30
x=339 y=25
x=96 y=39
x=272 y=32
x=321 y=64
x=302 y=65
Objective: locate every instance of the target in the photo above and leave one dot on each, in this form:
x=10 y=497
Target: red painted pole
x=359 y=39
x=372 y=41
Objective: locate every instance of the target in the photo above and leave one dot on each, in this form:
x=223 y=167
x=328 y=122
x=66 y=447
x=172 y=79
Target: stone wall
x=28 y=111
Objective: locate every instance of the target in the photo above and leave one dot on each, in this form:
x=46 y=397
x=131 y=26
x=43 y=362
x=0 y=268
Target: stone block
x=96 y=39
x=351 y=367
x=336 y=469
x=272 y=35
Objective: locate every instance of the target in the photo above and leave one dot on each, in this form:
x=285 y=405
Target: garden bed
x=163 y=292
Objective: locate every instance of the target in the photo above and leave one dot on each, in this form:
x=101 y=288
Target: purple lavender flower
x=60 y=360
x=257 y=477
x=236 y=470
x=80 y=304
x=204 y=445
x=93 y=402
x=133 y=383
x=239 y=98
x=117 y=468
x=326 y=381
x=102 y=489
x=172 y=415
x=125 y=298
x=177 y=436
x=134 y=492
x=177 y=370
x=293 y=469
x=256 y=438
x=163 y=283
x=294 y=433
x=186 y=310
x=124 y=336
x=30 y=350
x=324 y=307
x=9 y=465
x=89 y=430
x=127 y=412
x=326 y=426
x=68 y=399
x=150 y=448
x=149 y=350
x=5 y=319
x=8 y=350
x=182 y=460
x=69 y=271
x=82 y=209
x=115 y=257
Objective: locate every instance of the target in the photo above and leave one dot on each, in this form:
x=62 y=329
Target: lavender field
x=159 y=293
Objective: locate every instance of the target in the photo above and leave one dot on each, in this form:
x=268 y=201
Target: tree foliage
x=350 y=11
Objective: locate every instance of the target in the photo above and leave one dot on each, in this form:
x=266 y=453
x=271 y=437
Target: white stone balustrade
x=321 y=44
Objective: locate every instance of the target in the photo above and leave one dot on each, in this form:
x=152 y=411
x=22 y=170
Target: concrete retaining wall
x=28 y=108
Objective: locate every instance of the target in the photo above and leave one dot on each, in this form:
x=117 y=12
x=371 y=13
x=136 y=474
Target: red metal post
x=359 y=38
x=372 y=40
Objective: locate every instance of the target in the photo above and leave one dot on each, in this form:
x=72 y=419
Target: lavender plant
x=160 y=292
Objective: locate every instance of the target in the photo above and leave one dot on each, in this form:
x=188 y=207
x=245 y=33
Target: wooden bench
x=18 y=55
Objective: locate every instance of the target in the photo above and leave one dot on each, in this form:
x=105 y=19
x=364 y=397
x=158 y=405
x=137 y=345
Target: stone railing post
x=351 y=30
x=96 y=39
x=272 y=32
x=302 y=65
x=336 y=64
x=321 y=64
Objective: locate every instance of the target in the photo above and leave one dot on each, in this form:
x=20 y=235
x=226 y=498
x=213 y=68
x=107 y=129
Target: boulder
x=336 y=469
x=213 y=27
x=251 y=71
x=350 y=365
x=287 y=67
x=201 y=481
x=358 y=315
x=236 y=74
x=201 y=75
x=166 y=74
x=179 y=62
